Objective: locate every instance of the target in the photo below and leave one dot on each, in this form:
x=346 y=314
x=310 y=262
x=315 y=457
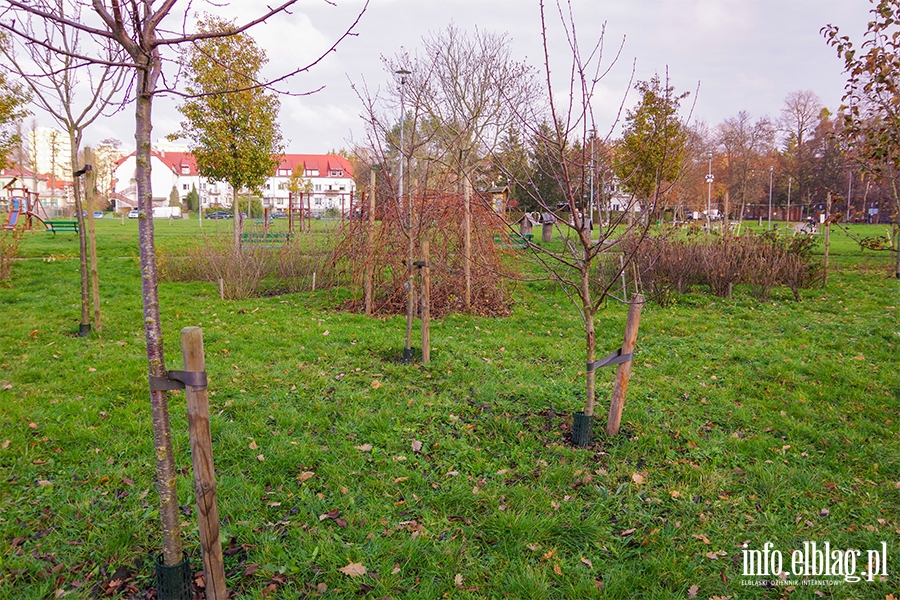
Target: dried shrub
x=9 y=251
x=439 y=219
x=240 y=269
x=295 y=264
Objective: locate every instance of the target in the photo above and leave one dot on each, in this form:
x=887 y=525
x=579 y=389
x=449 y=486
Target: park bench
x=515 y=240
x=54 y=226
x=269 y=240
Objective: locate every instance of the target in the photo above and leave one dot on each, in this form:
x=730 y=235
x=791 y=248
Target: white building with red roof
x=327 y=182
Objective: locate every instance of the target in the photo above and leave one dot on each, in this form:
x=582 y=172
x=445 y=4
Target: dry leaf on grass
x=692 y=591
x=364 y=447
x=353 y=570
x=253 y=445
x=587 y=562
x=305 y=475
x=637 y=478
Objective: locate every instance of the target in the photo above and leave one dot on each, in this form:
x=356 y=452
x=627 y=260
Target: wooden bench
x=515 y=240
x=270 y=240
x=65 y=226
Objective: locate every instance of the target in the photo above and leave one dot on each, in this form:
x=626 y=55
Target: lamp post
x=771 y=174
x=709 y=181
x=410 y=301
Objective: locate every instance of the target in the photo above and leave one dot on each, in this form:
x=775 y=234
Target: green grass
x=749 y=423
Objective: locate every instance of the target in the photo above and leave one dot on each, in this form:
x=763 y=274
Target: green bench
x=515 y=240
x=54 y=226
x=265 y=239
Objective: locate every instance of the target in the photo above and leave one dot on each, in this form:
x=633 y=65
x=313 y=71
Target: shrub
x=9 y=250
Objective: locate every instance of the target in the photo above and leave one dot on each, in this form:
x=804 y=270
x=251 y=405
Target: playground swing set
x=25 y=209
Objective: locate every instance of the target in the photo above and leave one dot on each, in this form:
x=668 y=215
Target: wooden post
x=547 y=229
x=92 y=236
x=221 y=289
x=624 y=371
x=370 y=259
x=291 y=213
x=426 y=305
x=314 y=281
x=725 y=224
x=204 y=474
x=467 y=243
x=827 y=236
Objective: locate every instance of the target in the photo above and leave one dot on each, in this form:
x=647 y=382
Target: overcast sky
x=744 y=54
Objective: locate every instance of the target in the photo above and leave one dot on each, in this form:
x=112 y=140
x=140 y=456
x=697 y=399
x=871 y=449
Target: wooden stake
x=827 y=235
x=624 y=371
x=426 y=305
x=92 y=237
x=221 y=289
x=314 y=281
x=467 y=243
x=370 y=267
x=204 y=474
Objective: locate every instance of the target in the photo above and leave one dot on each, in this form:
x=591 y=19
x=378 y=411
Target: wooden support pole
x=624 y=371
x=426 y=305
x=204 y=473
x=467 y=243
x=92 y=237
x=370 y=258
x=827 y=235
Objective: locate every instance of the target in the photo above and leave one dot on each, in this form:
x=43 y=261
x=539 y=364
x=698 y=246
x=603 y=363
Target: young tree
x=53 y=81
x=138 y=30
x=235 y=136
x=653 y=147
x=872 y=113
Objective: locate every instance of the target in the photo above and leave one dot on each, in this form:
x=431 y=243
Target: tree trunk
x=370 y=258
x=85 y=327
x=236 y=209
x=588 y=315
x=162 y=436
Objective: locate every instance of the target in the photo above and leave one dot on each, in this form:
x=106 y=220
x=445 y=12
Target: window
x=185 y=187
x=185 y=170
x=283 y=185
x=342 y=188
x=283 y=172
x=335 y=173
x=318 y=187
x=268 y=186
x=202 y=185
x=318 y=201
x=312 y=172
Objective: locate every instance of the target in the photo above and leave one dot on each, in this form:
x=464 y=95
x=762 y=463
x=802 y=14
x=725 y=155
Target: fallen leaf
x=305 y=475
x=549 y=554
x=400 y=479
x=44 y=483
x=353 y=570
x=692 y=591
x=701 y=537
x=376 y=384
x=250 y=570
x=5 y=444
x=587 y=562
x=396 y=569
x=364 y=447
x=326 y=332
x=627 y=532
x=32 y=425
x=416 y=446
x=637 y=478
x=260 y=457
x=557 y=569
x=533 y=547
x=253 y=445
x=269 y=589
x=6 y=385
x=824 y=512
x=274 y=504
x=457 y=580
x=675 y=494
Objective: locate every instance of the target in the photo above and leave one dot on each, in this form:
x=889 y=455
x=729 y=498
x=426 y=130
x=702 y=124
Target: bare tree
x=138 y=29
x=798 y=122
x=561 y=126
x=53 y=80
x=747 y=146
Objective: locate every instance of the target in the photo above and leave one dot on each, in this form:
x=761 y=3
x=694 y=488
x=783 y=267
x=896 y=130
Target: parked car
x=98 y=214
x=133 y=213
x=279 y=215
x=219 y=214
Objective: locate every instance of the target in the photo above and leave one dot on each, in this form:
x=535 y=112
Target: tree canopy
x=231 y=121
x=652 y=150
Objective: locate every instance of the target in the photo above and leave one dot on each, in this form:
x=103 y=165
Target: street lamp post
x=709 y=181
x=410 y=301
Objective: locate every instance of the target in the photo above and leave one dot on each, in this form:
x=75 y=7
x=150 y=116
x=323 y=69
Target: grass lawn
x=746 y=423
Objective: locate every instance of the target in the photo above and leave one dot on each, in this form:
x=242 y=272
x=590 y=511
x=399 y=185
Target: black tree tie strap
x=177 y=380
x=615 y=358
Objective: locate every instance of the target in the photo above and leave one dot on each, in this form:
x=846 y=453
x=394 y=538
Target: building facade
x=323 y=183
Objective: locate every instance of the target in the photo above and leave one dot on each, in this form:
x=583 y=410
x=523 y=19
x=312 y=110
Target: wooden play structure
x=24 y=208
